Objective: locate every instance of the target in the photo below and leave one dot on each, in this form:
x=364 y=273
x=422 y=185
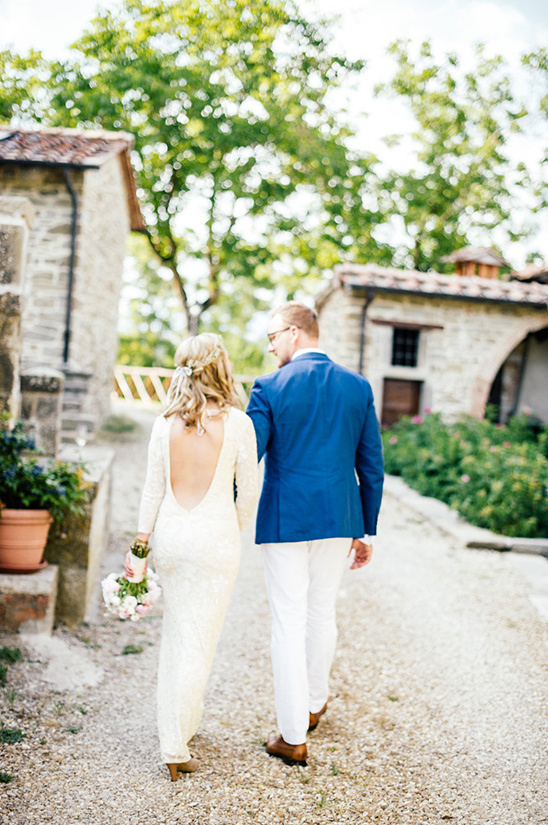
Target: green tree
x=537 y=64
x=238 y=152
x=464 y=184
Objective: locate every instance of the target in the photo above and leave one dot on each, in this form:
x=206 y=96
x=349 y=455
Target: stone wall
x=48 y=260
x=103 y=231
x=16 y=216
x=41 y=392
x=456 y=364
x=101 y=240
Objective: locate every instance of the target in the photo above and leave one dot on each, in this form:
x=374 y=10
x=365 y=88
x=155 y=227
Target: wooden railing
x=149 y=385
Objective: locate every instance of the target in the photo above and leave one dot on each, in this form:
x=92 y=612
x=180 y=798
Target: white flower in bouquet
x=130 y=600
x=110 y=585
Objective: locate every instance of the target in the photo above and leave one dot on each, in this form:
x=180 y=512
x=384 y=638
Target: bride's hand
x=128 y=572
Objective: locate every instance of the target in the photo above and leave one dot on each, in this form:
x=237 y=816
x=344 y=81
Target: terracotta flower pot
x=23 y=537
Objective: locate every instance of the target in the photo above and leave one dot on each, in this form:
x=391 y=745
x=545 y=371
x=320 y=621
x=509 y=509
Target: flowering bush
x=28 y=482
x=495 y=476
x=130 y=600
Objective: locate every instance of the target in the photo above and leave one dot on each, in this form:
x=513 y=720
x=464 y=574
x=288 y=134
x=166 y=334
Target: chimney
x=476 y=260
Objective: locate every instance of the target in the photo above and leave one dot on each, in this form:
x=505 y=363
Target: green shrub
x=3 y=674
x=30 y=482
x=495 y=476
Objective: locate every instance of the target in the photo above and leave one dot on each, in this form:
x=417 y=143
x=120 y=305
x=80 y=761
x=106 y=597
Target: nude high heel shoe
x=183 y=767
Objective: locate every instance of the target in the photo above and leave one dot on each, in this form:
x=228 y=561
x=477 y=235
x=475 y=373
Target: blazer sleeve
x=370 y=469
x=260 y=413
x=155 y=481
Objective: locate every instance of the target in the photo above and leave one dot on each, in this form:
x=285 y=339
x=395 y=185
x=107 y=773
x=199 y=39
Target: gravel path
x=438 y=711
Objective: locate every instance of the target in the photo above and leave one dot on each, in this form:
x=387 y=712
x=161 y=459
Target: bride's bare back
x=193 y=458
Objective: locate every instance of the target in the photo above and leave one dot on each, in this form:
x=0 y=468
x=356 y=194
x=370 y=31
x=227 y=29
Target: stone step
x=27 y=600
x=71 y=424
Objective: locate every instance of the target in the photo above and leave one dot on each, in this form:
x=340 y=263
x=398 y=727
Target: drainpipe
x=72 y=260
x=369 y=298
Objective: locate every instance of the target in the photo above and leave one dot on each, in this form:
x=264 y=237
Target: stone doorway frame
x=494 y=361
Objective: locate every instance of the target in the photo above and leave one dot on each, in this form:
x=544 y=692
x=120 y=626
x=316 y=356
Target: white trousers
x=302 y=581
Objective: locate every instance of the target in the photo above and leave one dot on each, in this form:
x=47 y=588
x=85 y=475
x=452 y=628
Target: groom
x=315 y=422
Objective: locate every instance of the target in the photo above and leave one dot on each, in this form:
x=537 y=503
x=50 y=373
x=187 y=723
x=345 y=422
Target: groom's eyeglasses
x=273 y=335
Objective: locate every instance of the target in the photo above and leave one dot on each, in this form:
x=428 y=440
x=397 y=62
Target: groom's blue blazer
x=316 y=425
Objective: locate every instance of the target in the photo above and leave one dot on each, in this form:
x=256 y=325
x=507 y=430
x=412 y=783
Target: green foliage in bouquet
x=31 y=482
x=495 y=476
x=135 y=589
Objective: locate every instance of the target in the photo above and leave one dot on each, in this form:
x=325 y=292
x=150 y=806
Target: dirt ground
x=438 y=710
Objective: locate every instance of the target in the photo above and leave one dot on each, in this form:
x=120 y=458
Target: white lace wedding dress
x=197 y=553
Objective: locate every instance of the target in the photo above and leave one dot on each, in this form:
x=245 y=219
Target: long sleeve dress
x=197 y=554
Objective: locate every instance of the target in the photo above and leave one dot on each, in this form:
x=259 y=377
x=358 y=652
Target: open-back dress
x=197 y=554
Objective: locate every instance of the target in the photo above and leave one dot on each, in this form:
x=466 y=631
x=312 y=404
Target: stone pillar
x=16 y=217
x=77 y=544
x=41 y=398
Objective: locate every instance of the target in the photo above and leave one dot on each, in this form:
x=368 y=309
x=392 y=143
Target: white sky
x=507 y=27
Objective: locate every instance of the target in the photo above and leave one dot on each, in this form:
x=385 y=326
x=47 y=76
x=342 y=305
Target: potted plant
x=34 y=491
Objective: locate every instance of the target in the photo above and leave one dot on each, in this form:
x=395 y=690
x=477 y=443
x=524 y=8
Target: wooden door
x=400 y=398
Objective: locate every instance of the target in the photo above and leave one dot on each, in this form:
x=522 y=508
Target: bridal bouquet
x=132 y=598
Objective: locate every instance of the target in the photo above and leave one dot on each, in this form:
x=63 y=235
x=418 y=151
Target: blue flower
x=37 y=470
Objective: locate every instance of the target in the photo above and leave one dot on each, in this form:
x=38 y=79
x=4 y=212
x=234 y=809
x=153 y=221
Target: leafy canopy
x=228 y=104
x=463 y=185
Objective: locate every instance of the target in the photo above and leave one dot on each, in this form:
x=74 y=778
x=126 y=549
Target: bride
x=200 y=490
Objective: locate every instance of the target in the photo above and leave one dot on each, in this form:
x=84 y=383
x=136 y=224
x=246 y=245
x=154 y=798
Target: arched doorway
x=521 y=384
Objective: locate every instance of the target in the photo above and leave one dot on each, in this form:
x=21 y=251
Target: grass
x=321 y=800
x=73 y=728
x=5 y=777
x=9 y=736
x=129 y=649
x=10 y=654
x=3 y=674
x=11 y=696
x=119 y=424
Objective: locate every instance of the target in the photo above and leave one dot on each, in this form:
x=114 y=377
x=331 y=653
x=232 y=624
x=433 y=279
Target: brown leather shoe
x=315 y=718
x=290 y=754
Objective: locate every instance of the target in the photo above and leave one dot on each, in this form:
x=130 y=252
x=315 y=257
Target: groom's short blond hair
x=301 y=316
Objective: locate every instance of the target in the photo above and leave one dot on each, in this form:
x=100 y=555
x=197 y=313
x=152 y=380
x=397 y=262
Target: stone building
x=451 y=343
x=67 y=202
x=82 y=192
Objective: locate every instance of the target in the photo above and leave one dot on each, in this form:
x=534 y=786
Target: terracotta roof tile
x=386 y=279
x=533 y=272
x=62 y=147
x=74 y=149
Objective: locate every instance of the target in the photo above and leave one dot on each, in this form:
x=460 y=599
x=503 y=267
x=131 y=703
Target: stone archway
x=498 y=355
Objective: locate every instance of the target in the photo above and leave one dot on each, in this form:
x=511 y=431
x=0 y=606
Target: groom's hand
x=362 y=554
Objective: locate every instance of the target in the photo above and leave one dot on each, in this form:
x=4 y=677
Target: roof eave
x=137 y=223
x=449 y=296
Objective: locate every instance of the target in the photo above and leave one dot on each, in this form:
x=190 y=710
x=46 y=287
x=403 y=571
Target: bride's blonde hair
x=202 y=374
